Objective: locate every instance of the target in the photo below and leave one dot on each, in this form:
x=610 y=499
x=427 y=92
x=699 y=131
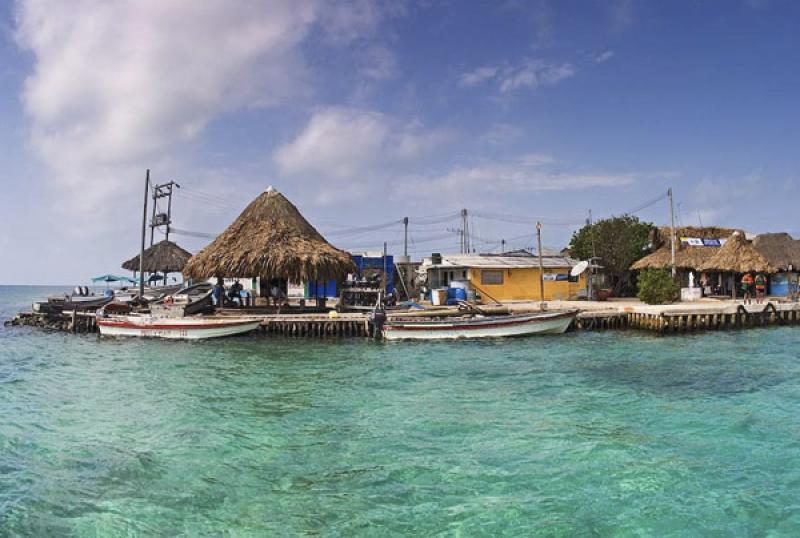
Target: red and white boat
x=480 y=326
x=187 y=328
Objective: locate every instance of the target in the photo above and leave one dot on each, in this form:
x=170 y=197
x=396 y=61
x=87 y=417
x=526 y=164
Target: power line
x=518 y=219
x=647 y=204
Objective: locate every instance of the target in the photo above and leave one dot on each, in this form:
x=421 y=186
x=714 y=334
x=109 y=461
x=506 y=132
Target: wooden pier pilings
x=315 y=327
x=676 y=322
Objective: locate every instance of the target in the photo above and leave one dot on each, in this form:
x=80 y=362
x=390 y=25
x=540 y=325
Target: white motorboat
x=480 y=326
x=191 y=328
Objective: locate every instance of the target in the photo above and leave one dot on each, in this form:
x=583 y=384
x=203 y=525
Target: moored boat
x=59 y=303
x=480 y=326
x=194 y=328
x=188 y=301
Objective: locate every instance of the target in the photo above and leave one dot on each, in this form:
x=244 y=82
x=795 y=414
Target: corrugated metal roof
x=503 y=262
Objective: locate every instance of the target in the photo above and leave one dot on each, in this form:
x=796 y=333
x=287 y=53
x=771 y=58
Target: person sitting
x=234 y=293
x=277 y=295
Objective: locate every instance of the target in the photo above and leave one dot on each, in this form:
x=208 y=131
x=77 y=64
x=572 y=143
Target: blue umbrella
x=113 y=278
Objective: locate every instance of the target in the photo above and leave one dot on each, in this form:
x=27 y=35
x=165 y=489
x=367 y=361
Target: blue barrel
x=779 y=285
x=459 y=294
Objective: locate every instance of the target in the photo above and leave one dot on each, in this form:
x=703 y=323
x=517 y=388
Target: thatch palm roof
x=270 y=239
x=163 y=257
x=738 y=255
x=686 y=256
x=780 y=249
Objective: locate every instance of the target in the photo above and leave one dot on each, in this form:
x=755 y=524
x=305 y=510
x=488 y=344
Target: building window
x=491 y=277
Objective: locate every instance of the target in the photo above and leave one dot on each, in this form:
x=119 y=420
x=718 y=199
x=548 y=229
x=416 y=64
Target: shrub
x=657 y=287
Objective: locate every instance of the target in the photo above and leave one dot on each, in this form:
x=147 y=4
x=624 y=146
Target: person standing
x=761 y=288
x=219 y=293
x=747 y=287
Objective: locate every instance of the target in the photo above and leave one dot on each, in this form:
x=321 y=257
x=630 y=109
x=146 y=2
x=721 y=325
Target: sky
x=366 y=112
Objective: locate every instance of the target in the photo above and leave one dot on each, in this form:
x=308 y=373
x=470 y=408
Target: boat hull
x=489 y=327
x=174 y=329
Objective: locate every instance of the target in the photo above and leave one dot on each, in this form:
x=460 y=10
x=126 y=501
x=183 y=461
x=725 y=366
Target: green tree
x=618 y=242
x=657 y=287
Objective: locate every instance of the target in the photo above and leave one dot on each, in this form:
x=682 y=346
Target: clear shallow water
x=596 y=434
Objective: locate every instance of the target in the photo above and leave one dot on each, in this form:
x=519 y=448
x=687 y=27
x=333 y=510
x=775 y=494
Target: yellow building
x=508 y=277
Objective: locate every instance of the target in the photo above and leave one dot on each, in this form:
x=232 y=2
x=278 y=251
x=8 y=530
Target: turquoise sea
x=593 y=434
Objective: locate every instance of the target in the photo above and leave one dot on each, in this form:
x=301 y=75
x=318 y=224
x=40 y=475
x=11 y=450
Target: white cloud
x=347 y=146
x=119 y=86
x=604 y=56
x=529 y=74
x=528 y=173
x=477 y=76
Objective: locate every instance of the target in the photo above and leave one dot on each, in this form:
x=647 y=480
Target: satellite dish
x=579 y=268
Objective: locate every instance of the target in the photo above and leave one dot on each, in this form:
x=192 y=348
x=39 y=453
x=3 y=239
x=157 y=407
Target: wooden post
x=144 y=228
x=672 y=231
x=541 y=263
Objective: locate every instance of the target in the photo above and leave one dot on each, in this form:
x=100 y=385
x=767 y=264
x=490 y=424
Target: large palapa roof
x=738 y=255
x=686 y=256
x=270 y=239
x=163 y=257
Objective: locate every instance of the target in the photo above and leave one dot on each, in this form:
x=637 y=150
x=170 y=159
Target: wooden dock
x=667 y=319
x=675 y=321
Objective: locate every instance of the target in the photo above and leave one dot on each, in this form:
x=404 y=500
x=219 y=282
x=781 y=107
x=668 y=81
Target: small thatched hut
x=163 y=257
x=783 y=252
x=781 y=249
x=271 y=240
x=737 y=255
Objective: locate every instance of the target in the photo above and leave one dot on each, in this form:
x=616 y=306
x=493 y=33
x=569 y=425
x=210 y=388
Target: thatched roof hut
x=738 y=255
x=163 y=257
x=270 y=239
x=780 y=249
x=686 y=256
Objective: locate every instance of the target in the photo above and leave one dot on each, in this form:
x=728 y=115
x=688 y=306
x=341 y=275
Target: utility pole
x=589 y=272
x=162 y=219
x=464 y=232
x=672 y=229
x=383 y=277
x=541 y=264
x=405 y=237
x=144 y=228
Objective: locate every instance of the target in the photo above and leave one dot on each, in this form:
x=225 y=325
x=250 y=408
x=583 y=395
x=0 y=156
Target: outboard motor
x=378 y=318
x=78 y=291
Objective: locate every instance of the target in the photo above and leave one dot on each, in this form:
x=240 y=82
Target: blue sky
x=365 y=112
